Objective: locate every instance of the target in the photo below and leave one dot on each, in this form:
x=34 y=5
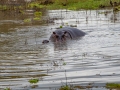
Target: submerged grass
x=34 y=80
x=66 y=87
x=7 y=89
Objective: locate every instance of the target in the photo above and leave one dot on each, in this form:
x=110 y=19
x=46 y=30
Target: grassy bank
x=37 y=8
x=62 y=4
x=81 y=4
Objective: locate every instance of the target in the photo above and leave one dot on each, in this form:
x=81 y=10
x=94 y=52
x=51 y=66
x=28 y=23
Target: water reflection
x=60 y=46
x=91 y=59
x=114 y=17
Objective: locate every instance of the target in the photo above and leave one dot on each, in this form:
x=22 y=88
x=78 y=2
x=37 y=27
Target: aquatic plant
x=113 y=85
x=73 y=25
x=37 y=18
x=7 y=88
x=21 y=11
x=35 y=5
x=64 y=63
x=38 y=14
x=61 y=26
x=27 y=20
x=66 y=87
x=34 y=80
x=3 y=7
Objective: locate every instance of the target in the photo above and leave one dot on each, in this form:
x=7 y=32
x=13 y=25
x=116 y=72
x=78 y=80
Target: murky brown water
x=94 y=59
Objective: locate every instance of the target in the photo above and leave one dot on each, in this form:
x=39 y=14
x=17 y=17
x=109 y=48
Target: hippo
x=65 y=33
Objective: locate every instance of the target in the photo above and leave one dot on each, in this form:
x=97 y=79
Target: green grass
x=61 y=26
x=80 y=4
x=38 y=14
x=7 y=89
x=117 y=8
x=33 y=80
x=3 y=7
x=27 y=20
x=66 y=87
x=64 y=4
x=113 y=85
x=36 y=19
x=35 y=5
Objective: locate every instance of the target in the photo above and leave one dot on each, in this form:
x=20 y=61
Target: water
x=92 y=60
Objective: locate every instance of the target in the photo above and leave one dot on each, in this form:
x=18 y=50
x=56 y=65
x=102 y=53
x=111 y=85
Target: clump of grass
x=27 y=20
x=33 y=80
x=80 y=4
x=35 y=5
x=113 y=86
x=117 y=8
x=61 y=26
x=72 y=8
x=64 y=63
x=37 y=18
x=7 y=88
x=64 y=88
x=38 y=14
x=3 y=7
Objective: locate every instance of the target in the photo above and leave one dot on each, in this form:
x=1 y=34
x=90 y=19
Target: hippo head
x=60 y=36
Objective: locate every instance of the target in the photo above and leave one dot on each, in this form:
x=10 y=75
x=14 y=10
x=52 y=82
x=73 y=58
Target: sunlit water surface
x=93 y=59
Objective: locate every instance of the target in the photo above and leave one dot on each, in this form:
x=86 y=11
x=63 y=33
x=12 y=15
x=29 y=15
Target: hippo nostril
x=57 y=36
x=63 y=36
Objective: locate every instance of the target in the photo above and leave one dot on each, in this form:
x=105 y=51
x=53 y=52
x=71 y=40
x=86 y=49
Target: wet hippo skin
x=65 y=33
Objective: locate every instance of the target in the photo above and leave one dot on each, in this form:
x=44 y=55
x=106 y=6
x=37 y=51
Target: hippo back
x=74 y=32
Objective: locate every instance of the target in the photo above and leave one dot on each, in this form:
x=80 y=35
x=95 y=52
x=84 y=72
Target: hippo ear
x=68 y=34
x=54 y=33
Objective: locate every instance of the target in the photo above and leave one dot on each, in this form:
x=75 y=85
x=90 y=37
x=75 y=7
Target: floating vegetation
x=3 y=7
x=33 y=80
x=27 y=20
x=34 y=86
x=113 y=85
x=36 y=19
x=21 y=11
x=73 y=25
x=66 y=87
x=7 y=88
x=35 y=5
x=79 y=87
x=38 y=14
x=83 y=87
x=61 y=26
x=64 y=63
